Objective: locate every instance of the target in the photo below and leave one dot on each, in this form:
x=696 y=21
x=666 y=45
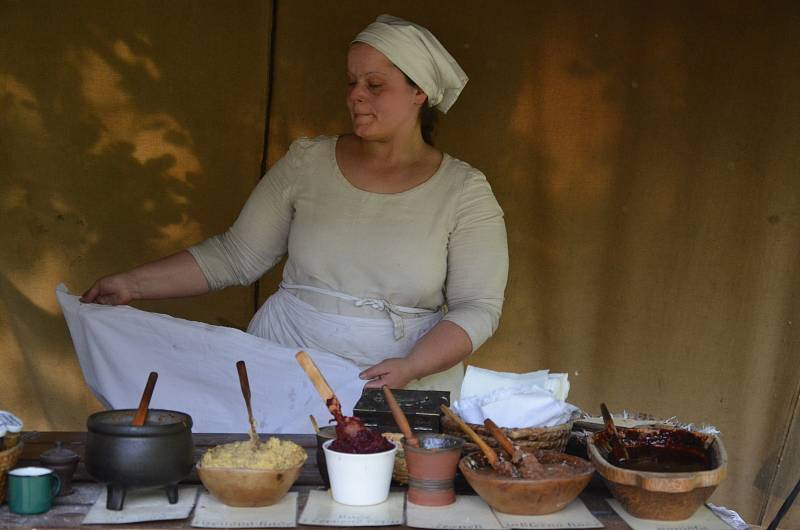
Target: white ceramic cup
x=359 y=479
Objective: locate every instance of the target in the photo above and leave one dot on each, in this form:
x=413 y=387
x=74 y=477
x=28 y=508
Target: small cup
x=359 y=479
x=31 y=490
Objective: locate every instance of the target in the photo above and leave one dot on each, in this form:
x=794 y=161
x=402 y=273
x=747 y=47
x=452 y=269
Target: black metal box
x=422 y=408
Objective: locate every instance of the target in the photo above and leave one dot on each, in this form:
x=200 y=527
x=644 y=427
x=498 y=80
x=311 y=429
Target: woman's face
x=381 y=102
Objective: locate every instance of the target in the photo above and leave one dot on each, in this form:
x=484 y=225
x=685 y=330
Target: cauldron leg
x=172 y=493
x=115 y=497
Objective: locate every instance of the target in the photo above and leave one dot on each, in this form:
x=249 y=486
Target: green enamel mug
x=31 y=490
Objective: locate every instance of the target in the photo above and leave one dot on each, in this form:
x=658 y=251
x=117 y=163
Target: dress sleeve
x=258 y=238
x=477 y=262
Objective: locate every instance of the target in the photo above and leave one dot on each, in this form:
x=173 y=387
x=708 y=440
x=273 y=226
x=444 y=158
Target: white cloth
x=287 y=320
x=419 y=55
x=480 y=381
x=534 y=399
x=117 y=347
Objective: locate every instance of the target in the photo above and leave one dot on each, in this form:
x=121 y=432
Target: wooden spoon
x=491 y=456
x=400 y=417
x=516 y=454
x=531 y=464
x=617 y=446
x=314 y=423
x=319 y=382
x=244 y=382
x=141 y=412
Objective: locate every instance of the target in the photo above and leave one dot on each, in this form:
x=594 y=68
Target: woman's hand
x=444 y=346
x=396 y=372
x=117 y=289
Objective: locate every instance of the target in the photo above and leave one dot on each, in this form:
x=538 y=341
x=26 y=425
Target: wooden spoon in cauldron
x=244 y=382
x=144 y=403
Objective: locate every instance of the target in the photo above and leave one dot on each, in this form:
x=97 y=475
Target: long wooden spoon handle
x=244 y=382
x=400 y=417
x=141 y=412
x=500 y=436
x=316 y=377
x=491 y=456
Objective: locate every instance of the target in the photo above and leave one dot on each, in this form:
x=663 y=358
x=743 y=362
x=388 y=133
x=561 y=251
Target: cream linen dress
x=367 y=274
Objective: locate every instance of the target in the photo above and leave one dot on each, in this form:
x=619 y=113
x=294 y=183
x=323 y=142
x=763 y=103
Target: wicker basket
x=8 y=459
x=400 y=471
x=551 y=438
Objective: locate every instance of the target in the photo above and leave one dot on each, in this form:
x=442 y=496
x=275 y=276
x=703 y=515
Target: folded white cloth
x=516 y=407
x=534 y=399
x=480 y=381
x=118 y=346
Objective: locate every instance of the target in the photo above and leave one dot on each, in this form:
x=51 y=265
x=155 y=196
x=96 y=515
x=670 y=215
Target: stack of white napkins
x=533 y=399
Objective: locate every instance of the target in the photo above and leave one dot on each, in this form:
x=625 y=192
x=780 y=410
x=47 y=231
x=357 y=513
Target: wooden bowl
x=656 y=495
x=248 y=487
x=520 y=496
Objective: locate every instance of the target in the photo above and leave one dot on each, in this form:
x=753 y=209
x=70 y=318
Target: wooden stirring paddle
x=144 y=403
x=490 y=454
x=517 y=456
x=400 y=417
x=244 y=382
x=617 y=446
x=319 y=382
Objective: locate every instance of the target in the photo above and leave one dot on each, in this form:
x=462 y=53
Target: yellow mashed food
x=273 y=454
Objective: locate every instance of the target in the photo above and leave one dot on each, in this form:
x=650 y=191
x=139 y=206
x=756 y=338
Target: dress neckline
x=421 y=185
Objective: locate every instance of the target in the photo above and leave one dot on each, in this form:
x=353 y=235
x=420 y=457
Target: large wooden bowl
x=527 y=496
x=660 y=496
x=248 y=487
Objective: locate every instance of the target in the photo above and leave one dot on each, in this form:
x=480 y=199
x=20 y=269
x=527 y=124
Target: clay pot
x=432 y=468
x=63 y=462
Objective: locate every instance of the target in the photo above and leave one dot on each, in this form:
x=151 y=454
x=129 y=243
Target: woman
x=382 y=230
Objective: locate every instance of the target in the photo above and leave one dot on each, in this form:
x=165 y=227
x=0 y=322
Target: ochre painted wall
x=647 y=158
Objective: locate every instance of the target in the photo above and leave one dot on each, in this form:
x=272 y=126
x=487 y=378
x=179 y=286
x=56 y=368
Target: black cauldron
x=159 y=453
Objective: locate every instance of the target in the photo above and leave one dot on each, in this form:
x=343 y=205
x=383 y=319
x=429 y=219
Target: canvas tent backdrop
x=646 y=156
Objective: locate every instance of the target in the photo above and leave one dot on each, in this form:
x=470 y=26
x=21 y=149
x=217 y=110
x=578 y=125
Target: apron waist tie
x=395 y=312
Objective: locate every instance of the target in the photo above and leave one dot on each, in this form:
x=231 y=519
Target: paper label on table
x=703 y=519
x=469 y=512
x=322 y=510
x=149 y=504
x=212 y=513
x=575 y=515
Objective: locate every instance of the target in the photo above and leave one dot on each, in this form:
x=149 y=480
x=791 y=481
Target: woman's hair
x=427 y=117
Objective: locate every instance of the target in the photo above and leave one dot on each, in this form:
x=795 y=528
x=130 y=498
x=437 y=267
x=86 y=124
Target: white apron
x=289 y=321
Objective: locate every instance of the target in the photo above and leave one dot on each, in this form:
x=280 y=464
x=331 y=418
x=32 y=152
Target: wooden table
x=69 y=511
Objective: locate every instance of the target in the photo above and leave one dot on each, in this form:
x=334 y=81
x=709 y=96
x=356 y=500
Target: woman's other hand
x=395 y=373
x=117 y=289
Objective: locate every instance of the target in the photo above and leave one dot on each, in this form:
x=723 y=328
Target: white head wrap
x=415 y=51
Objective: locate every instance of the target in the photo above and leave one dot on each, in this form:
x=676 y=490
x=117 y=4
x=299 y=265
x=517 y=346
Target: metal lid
x=58 y=455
